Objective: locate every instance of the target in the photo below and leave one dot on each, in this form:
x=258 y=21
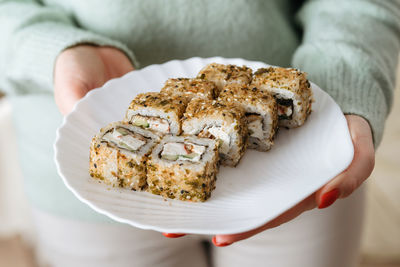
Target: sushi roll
x=292 y=91
x=157 y=112
x=261 y=113
x=183 y=167
x=190 y=88
x=222 y=75
x=224 y=122
x=118 y=154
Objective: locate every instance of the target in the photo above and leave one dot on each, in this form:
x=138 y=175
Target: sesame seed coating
x=190 y=88
x=225 y=74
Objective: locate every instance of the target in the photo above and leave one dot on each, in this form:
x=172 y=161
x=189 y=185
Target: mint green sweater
x=348 y=47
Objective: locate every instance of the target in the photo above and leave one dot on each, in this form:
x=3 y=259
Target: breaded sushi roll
x=292 y=91
x=222 y=74
x=118 y=154
x=261 y=113
x=190 y=88
x=224 y=122
x=183 y=167
x=157 y=112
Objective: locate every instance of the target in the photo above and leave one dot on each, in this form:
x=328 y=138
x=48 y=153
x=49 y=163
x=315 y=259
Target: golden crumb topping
x=244 y=95
x=190 y=87
x=228 y=73
x=285 y=78
x=162 y=101
x=204 y=107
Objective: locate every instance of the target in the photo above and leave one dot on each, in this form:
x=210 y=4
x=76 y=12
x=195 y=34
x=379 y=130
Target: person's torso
x=158 y=30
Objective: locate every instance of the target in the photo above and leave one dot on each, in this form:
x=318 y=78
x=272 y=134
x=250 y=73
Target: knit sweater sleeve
x=350 y=49
x=32 y=37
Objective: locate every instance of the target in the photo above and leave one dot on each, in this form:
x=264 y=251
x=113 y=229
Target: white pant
x=319 y=238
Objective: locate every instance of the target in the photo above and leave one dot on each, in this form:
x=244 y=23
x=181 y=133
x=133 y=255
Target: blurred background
x=381 y=239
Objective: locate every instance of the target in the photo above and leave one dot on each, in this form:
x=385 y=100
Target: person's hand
x=340 y=186
x=82 y=68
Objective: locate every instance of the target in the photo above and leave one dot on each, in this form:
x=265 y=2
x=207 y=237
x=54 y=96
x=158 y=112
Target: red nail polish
x=220 y=244
x=171 y=235
x=329 y=198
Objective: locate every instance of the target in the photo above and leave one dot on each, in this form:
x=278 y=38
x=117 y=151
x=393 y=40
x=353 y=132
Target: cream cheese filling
x=255 y=126
x=284 y=110
x=220 y=135
x=182 y=151
x=125 y=139
x=153 y=123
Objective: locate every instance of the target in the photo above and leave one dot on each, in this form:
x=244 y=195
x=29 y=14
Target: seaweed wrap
x=157 y=112
x=222 y=74
x=118 y=155
x=260 y=110
x=183 y=167
x=222 y=121
x=292 y=91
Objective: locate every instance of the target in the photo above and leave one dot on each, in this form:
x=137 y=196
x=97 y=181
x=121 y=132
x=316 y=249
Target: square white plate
x=261 y=187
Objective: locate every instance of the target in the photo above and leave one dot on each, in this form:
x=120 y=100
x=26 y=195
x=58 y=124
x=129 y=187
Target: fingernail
x=218 y=244
x=171 y=235
x=329 y=198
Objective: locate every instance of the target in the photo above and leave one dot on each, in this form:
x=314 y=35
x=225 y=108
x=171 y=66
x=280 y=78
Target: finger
x=173 y=235
x=122 y=68
x=307 y=204
x=67 y=93
x=358 y=171
x=115 y=61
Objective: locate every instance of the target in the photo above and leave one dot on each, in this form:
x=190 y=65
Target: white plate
x=260 y=188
